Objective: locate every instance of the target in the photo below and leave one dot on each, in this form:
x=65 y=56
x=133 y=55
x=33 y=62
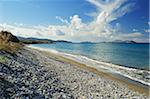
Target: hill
x=35 y=40
x=9 y=42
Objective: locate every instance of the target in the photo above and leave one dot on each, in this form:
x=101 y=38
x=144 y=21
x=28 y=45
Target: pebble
x=37 y=76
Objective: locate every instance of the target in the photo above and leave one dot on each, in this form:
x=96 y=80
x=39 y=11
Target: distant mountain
x=116 y=41
x=87 y=42
x=40 y=41
x=62 y=41
x=126 y=41
x=48 y=41
x=34 y=40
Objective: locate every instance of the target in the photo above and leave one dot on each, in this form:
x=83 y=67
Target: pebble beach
x=31 y=74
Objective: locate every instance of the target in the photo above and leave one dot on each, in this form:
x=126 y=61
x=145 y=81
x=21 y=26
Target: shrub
x=3 y=59
x=9 y=42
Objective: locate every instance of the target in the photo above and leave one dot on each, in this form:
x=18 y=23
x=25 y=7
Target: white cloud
x=147 y=30
x=62 y=20
x=132 y=35
x=134 y=30
x=76 y=22
x=74 y=29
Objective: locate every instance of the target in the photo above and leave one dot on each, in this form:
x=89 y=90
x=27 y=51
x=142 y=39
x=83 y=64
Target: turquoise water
x=128 y=55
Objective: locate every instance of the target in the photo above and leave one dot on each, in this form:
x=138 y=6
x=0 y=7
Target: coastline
x=131 y=82
x=117 y=70
x=33 y=73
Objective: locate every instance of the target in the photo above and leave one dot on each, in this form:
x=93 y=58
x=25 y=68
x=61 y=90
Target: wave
x=131 y=73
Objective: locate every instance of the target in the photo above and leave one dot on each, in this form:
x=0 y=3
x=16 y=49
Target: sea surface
x=127 y=55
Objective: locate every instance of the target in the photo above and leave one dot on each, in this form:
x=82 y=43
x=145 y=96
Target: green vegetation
x=10 y=47
x=9 y=42
x=3 y=59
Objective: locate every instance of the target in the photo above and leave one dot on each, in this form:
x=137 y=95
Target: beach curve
x=112 y=72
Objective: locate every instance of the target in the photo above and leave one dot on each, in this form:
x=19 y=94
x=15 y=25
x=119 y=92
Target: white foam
x=109 y=67
x=44 y=49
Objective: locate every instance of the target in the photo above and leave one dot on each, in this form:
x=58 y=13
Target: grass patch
x=9 y=42
x=10 y=47
x=3 y=59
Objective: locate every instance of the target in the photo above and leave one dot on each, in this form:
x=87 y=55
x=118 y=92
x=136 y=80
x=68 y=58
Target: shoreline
x=133 y=83
x=136 y=65
x=111 y=68
x=33 y=73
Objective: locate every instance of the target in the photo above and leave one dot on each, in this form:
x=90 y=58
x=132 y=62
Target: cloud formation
x=147 y=30
x=74 y=29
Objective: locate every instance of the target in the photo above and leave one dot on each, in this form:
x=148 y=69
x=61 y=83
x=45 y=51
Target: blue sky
x=35 y=12
x=77 y=20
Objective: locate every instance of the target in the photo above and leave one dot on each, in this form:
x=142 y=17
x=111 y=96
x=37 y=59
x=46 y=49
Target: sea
x=122 y=54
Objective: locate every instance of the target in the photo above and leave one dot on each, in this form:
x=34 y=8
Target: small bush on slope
x=9 y=42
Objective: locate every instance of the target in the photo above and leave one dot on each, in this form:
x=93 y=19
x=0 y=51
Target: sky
x=77 y=20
